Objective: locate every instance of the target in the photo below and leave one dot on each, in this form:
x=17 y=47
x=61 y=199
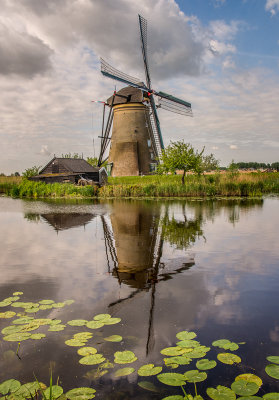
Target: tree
x=275 y=165
x=210 y=163
x=31 y=171
x=180 y=156
x=92 y=161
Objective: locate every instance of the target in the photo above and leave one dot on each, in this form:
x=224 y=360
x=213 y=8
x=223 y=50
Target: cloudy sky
x=220 y=55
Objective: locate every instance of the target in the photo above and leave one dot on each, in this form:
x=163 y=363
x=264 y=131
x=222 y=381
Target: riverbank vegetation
x=210 y=185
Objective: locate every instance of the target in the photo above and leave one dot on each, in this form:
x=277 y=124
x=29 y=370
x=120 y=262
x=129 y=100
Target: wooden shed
x=70 y=170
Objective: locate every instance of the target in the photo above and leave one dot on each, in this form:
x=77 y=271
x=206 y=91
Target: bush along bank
x=216 y=185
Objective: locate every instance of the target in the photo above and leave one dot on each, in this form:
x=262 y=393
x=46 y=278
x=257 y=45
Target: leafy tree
x=31 y=171
x=92 y=161
x=180 y=156
x=210 y=163
x=275 y=165
x=70 y=155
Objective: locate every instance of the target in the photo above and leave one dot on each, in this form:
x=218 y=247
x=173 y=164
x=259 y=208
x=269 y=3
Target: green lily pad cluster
x=13 y=390
x=124 y=357
x=273 y=369
x=225 y=344
x=79 y=339
x=98 y=321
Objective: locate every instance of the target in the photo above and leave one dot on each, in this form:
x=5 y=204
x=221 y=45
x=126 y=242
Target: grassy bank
x=227 y=185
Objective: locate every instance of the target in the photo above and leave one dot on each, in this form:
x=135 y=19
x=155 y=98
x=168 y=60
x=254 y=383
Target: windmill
x=136 y=140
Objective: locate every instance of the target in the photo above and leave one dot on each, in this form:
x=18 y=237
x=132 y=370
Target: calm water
x=162 y=267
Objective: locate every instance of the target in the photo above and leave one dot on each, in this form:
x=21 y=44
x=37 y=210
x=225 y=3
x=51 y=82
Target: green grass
x=215 y=185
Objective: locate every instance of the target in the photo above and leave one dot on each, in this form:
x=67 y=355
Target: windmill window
x=149 y=143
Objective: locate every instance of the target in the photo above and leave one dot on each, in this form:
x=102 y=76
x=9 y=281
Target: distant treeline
x=256 y=165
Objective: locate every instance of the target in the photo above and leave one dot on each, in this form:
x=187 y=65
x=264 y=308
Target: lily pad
x=249 y=378
x=46 y=302
x=56 y=328
x=114 y=338
x=112 y=321
x=172 y=351
x=221 y=393
x=124 y=357
x=206 y=364
x=196 y=353
x=17 y=337
x=11 y=329
x=186 y=335
x=95 y=324
x=271 y=396
x=188 y=343
x=46 y=307
x=172 y=379
x=55 y=322
x=175 y=397
x=75 y=342
x=5 y=303
x=195 y=376
x=31 y=326
x=102 y=317
x=249 y=398
x=95 y=374
x=92 y=359
x=149 y=370
x=32 y=310
x=228 y=358
x=148 y=386
x=30 y=389
x=83 y=335
x=23 y=320
x=77 y=322
x=124 y=372
x=82 y=393
x=86 y=351
x=7 y=314
x=273 y=359
x=180 y=360
x=9 y=386
x=272 y=370
x=37 y=336
x=56 y=392
x=245 y=388
x=17 y=293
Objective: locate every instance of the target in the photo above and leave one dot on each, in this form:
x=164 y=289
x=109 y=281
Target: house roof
x=74 y=165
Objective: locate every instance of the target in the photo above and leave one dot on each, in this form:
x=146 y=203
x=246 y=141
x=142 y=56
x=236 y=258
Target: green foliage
x=210 y=163
x=92 y=161
x=180 y=156
x=33 y=171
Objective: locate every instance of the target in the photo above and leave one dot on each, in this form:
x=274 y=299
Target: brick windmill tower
x=136 y=140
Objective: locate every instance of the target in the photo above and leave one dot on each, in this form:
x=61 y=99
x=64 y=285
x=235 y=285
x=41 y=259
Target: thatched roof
x=131 y=95
x=74 y=165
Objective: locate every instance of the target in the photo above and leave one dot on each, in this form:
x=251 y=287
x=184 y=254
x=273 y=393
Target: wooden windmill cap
x=128 y=94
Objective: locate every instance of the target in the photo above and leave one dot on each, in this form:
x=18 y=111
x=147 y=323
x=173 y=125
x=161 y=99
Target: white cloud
x=233 y=147
x=44 y=150
x=272 y=6
x=215 y=147
x=228 y=63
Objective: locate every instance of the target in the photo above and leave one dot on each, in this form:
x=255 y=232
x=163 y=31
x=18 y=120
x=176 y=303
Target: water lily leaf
x=228 y=358
x=9 y=386
x=102 y=317
x=271 y=396
x=82 y=393
x=186 y=335
x=55 y=322
x=124 y=357
x=32 y=310
x=56 y=328
x=271 y=370
x=148 y=386
x=249 y=398
x=273 y=359
x=75 y=342
x=196 y=353
x=23 y=320
x=221 y=342
x=124 y=372
x=249 y=378
x=83 y=335
x=43 y=321
x=31 y=326
x=169 y=363
x=69 y=302
x=86 y=351
x=195 y=376
x=45 y=307
x=172 y=379
x=94 y=324
x=77 y=322
x=188 y=343
x=172 y=351
x=221 y=393
x=244 y=388
x=231 y=346
x=175 y=397
x=37 y=336
x=92 y=359
x=58 y=305
x=17 y=337
x=206 y=364
x=149 y=370
x=56 y=392
x=112 y=321
x=46 y=302
x=107 y=364
x=7 y=314
x=30 y=389
x=95 y=374
x=180 y=360
x=5 y=303
x=114 y=338
x=10 y=329
x=12 y=298
x=17 y=293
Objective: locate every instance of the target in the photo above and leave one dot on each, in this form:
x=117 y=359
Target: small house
x=71 y=170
